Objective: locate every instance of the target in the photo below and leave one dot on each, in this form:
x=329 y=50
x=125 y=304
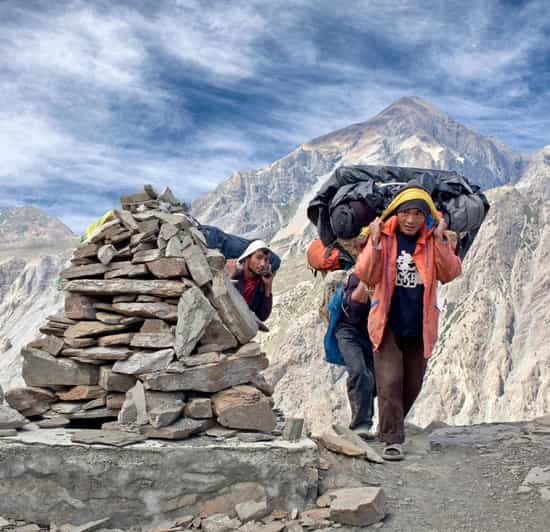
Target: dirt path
x=458 y=480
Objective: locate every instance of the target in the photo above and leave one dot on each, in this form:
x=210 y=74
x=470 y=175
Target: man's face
x=410 y=221
x=258 y=262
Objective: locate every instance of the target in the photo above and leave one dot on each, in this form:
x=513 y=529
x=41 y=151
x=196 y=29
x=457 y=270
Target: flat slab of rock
x=96 y=413
x=202 y=359
x=211 y=378
x=358 y=506
x=88 y=270
x=80 y=342
x=244 y=407
x=125 y=269
x=81 y=393
x=157 y=310
x=181 y=429
x=197 y=265
x=127 y=286
x=99 y=353
x=113 y=340
x=111 y=318
x=85 y=329
x=79 y=307
x=339 y=445
x=153 y=340
x=199 y=408
x=115 y=382
x=103 y=437
x=142 y=362
x=194 y=315
x=168 y=267
x=85 y=251
x=152 y=325
x=147 y=255
x=370 y=454
x=471 y=436
x=53 y=422
x=232 y=308
x=42 y=369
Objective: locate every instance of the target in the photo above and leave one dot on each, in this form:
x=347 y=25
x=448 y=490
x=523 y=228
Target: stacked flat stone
x=154 y=338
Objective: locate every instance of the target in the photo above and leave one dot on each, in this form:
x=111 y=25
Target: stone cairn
x=155 y=340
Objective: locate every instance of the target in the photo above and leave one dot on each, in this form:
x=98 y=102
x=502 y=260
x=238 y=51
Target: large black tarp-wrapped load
x=354 y=195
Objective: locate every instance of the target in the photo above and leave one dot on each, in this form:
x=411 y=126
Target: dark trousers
x=356 y=350
x=400 y=366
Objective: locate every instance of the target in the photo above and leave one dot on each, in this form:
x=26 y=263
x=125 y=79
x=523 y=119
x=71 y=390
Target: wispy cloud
x=100 y=97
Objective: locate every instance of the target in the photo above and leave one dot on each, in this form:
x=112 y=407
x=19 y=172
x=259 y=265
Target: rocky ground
x=465 y=479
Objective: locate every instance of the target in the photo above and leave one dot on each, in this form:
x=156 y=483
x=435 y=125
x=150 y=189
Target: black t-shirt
x=405 y=317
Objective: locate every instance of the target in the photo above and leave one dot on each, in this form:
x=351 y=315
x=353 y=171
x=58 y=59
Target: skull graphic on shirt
x=407 y=274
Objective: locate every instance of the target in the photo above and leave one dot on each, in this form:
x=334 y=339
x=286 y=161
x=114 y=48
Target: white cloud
x=91 y=101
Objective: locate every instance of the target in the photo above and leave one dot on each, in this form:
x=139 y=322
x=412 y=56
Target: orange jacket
x=435 y=261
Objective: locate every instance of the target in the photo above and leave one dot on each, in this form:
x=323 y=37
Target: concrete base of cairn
x=46 y=478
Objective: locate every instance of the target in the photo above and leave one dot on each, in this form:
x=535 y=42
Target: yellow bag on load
x=109 y=215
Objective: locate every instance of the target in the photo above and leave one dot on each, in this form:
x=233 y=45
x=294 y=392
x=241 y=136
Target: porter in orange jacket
x=404 y=259
x=435 y=261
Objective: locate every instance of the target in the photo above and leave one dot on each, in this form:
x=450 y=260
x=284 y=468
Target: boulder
x=358 y=506
x=244 y=407
x=199 y=408
x=30 y=401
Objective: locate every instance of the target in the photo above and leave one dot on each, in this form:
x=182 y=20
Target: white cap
x=252 y=248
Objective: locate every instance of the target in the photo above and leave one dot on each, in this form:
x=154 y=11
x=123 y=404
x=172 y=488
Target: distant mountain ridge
x=28 y=225
x=410 y=132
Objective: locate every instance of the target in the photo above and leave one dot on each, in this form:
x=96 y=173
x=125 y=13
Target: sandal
x=393 y=452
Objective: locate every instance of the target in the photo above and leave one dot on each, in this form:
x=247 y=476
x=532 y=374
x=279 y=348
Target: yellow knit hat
x=408 y=194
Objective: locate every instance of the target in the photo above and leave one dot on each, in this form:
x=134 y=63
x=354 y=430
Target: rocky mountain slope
x=30 y=227
x=494 y=360
x=33 y=250
x=410 y=132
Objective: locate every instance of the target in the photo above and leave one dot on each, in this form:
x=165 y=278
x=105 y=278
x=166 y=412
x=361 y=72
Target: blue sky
x=98 y=98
